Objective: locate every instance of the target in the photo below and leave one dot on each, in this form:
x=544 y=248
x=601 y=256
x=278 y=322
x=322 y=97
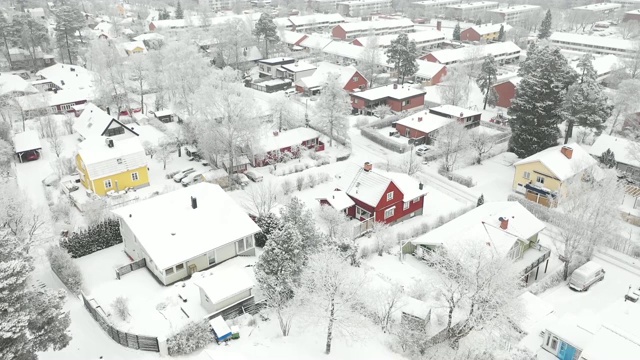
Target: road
x=448 y=187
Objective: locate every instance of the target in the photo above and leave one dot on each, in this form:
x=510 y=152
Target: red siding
x=431 y=58
x=260 y=159
x=360 y=104
x=356 y=42
x=438 y=77
x=469 y=35
x=299 y=89
x=414 y=102
x=506 y=92
x=338 y=32
x=628 y=17
x=152 y=27
x=352 y=85
x=413 y=133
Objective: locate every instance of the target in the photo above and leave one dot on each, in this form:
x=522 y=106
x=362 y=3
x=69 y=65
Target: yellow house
x=541 y=176
x=134 y=47
x=108 y=166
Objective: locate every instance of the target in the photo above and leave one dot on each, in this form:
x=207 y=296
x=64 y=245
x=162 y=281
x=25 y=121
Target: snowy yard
x=493 y=178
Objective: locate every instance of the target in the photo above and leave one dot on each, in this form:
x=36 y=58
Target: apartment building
x=217 y=5
x=309 y=23
x=363 y=7
x=592 y=44
x=629 y=4
x=503 y=53
x=515 y=15
x=350 y=31
x=424 y=40
x=600 y=11
x=470 y=11
x=436 y=6
x=323 y=6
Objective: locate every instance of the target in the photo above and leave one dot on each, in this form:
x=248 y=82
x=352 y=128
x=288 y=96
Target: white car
x=182 y=174
x=241 y=179
x=422 y=150
x=254 y=176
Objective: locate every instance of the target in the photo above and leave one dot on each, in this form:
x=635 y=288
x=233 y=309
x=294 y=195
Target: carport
x=25 y=143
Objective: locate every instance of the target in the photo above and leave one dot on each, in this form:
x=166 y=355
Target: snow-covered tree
x=330 y=288
x=381 y=235
x=63 y=266
x=263 y=197
x=456 y=32
x=335 y=222
x=109 y=65
x=69 y=23
x=410 y=163
x=266 y=29
x=545 y=27
x=487 y=77
x=451 y=141
x=179 y=11
x=267 y=224
x=455 y=87
x=536 y=110
x=608 y=159
x=481 y=143
x=382 y=111
x=194 y=336
x=297 y=214
x=502 y=35
x=120 y=306
x=624 y=101
x=30 y=34
x=332 y=109
x=402 y=54
x=164 y=151
x=54 y=139
x=384 y=300
x=369 y=60
x=5 y=33
x=140 y=73
x=284 y=113
x=233 y=38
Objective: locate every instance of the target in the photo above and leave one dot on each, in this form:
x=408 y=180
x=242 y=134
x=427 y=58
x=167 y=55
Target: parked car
x=31 y=155
x=586 y=275
x=182 y=174
x=241 y=179
x=290 y=92
x=254 y=176
x=193 y=178
x=422 y=150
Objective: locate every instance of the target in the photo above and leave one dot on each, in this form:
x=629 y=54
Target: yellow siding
x=535 y=169
x=121 y=181
x=84 y=177
x=492 y=36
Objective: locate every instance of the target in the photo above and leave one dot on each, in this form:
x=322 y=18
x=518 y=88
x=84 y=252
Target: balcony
x=531 y=258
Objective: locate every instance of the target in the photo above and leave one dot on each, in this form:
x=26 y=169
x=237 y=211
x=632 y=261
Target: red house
x=375 y=195
x=50 y=102
x=422 y=126
x=397 y=97
x=430 y=73
x=279 y=146
x=347 y=76
x=506 y=92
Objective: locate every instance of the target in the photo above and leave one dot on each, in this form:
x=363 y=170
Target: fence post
x=117 y=274
x=162 y=346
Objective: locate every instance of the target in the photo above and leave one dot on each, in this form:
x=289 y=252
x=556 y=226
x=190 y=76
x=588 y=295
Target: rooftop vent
x=194 y=202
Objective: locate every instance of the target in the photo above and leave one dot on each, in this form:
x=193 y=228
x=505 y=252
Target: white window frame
x=540 y=179
x=247 y=244
x=526 y=175
x=389 y=212
x=168 y=271
x=211 y=255
x=390 y=196
x=406 y=205
x=415 y=200
x=360 y=212
x=135 y=176
x=108 y=181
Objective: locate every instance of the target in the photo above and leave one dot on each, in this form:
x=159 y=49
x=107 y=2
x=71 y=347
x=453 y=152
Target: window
x=169 y=271
x=526 y=175
x=356 y=79
x=179 y=267
x=554 y=343
x=416 y=200
x=406 y=102
x=389 y=212
x=390 y=196
x=540 y=179
x=407 y=132
x=66 y=107
x=212 y=257
x=355 y=101
x=360 y=212
x=107 y=184
x=114 y=131
x=134 y=176
x=245 y=244
x=406 y=205
x=240 y=245
x=250 y=243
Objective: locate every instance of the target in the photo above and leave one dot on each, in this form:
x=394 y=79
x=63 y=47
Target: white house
x=221 y=289
x=95 y=122
x=185 y=231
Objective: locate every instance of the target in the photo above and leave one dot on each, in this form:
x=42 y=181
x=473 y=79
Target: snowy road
x=451 y=189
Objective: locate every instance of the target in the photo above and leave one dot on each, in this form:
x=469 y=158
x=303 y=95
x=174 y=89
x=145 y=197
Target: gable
x=116 y=124
x=537 y=166
x=397 y=196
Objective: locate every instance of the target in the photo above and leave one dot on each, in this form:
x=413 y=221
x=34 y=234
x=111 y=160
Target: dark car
x=31 y=155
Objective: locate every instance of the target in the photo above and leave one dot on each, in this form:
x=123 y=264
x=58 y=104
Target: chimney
x=368 y=166
x=504 y=223
x=461 y=114
x=194 y=203
x=108 y=111
x=275 y=133
x=109 y=142
x=420 y=186
x=439 y=25
x=55 y=90
x=395 y=86
x=567 y=151
x=419 y=118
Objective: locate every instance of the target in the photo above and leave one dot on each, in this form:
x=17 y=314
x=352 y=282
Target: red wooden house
x=506 y=91
x=381 y=196
x=398 y=97
x=347 y=76
x=277 y=146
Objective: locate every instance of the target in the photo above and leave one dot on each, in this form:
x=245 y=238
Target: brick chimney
x=419 y=118
x=567 y=151
x=439 y=25
x=368 y=166
x=504 y=223
x=395 y=86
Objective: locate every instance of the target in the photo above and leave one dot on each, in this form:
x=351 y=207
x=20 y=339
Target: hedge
x=67 y=271
x=192 y=337
x=95 y=238
x=382 y=140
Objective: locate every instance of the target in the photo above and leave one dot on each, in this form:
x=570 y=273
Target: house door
x=567 y=352
x=192 y=269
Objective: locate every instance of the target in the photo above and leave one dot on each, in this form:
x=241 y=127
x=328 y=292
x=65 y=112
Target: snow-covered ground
x=494 y=177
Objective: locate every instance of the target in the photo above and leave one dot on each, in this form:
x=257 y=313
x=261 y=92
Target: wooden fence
x=139 y=342
x=123 y=270
x=363 y=227
x=249 y=306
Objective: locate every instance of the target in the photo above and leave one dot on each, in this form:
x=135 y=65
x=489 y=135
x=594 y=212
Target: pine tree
x=28 y=33
x=268 y=224
x=608 y=159
x=266 y=29
x=179 y=11
x=487 y=77
x=69 y=22
x=296 y=214
x=479 y=21
x=586 y=104
x=402 y=53
x=456 y=32
x=545 y=26
x=501 y=34
x=480 y=200
x=536 y=110
x=164 y=15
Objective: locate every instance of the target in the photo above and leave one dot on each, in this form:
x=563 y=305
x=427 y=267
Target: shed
x=220 y=328
x=224 y=288
x=164 y=115
x=27 y=142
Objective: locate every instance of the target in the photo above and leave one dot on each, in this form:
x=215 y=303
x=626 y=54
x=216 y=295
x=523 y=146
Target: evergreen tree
x=179 y=11
x=28 y=33
x=480 y=200
x=164 y=15
x=402 y=53
x=479 y=21
x=268 y=224
x=69 y=22
x=5 y=32
x=501 y=34
x=31 y=319
x=296 y=214
x=536 y=110
x=487 y=77
x=456 y=32
x=586 y=104
x=545 y=26
x=608 y=159
x=266 y=29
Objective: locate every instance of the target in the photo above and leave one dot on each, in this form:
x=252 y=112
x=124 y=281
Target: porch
x=532 y=260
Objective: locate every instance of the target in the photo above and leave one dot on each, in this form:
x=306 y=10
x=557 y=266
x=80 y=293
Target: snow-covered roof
x=338 y=200
x=103 y=27
x=316 y=42
x=414 y=307
x=133 y=45
x=287 y=138
x=290 y=37
x=350 y=51
x=401 y=92
x=534 y=309
x=13 y=83
x=428 y=69
x=70 y=77
x=322 y=73
x=26 y=140
x=496 y=49
x=93 y=122
x=589 y=40
x=611 y=344
x=561 y=166
x=49 y=98
x=473 y=5
x=482 y=226
x=623 y=149
x=420 y=36
x=298 y=66
x=485 y=29
x=222 y=284
x=599 y=7
x=300 y=20
x=455 y=111
x=425 y=122
x=277 y=60
x=603 y=64
x=149 y=36
x=171 y=231
x=514 y=9
x=35 y=12
x=376 y=25
x=570 y=329
x=101 y=160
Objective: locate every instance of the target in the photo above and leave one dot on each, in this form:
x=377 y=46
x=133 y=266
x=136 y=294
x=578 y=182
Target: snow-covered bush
x=382 y=140
x=61 y=210
x=300 y=183
x=94 y=238
x=120 y=307
x=313 y=180
x=287 y=187
x=550 y=281
x=362 y=122
x=323 y=177
x=192 y=337
x=68 y=272
x=462 y=180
